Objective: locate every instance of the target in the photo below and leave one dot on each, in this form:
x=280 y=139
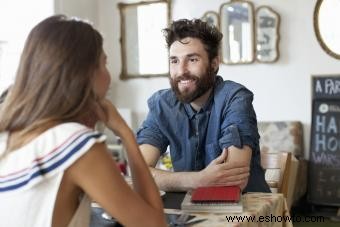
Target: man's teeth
x=185 y=81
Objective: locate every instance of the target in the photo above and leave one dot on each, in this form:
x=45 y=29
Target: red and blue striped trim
x=45 y=165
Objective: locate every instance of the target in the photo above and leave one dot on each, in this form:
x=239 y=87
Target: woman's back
x=30 y=176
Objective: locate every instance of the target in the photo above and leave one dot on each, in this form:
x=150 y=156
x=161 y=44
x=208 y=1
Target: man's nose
x=182 y=68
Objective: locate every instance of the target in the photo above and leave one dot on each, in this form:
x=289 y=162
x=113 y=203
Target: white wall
x=282 y=90
x=85 y=9
x=17 y=18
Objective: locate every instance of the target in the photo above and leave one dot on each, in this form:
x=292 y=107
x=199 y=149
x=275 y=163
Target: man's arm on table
x=232 y=169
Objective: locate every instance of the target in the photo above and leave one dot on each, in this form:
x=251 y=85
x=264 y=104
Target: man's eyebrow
x=193 y=55
x=188 y=55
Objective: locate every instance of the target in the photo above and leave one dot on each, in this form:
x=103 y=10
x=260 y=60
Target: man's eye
x=173 y=61
x=193 y=59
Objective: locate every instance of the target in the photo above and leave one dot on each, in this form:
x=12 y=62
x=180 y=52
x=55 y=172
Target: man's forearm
x=174 y=181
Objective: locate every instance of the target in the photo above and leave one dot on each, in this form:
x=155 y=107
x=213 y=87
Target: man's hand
x=219 y=172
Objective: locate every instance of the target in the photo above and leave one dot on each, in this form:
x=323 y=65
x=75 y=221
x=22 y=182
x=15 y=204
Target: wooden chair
x=280 y=161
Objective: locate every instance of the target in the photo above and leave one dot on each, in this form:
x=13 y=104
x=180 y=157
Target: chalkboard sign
x=324 y=168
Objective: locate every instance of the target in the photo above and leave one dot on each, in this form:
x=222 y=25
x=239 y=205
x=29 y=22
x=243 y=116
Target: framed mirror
x=267 y=34
x=237 y=26
x=327 y=31
x=211 y=18
x=143 y=47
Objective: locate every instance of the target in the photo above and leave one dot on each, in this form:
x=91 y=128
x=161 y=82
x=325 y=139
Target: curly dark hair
x=195 y=28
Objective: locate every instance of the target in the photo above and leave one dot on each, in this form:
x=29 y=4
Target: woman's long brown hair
x=55 y=75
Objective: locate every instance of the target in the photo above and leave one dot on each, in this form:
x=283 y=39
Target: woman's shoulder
x=68 y=135
x=48 y=154
x=68 y=127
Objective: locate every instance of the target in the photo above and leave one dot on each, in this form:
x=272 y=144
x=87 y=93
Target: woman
x=50 y=162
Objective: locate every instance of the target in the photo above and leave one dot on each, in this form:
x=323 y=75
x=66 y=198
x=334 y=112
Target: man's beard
x=203 y=84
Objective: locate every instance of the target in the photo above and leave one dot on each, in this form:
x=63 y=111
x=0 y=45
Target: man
x=209 y=124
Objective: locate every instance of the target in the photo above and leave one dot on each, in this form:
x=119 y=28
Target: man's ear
x=215 y=63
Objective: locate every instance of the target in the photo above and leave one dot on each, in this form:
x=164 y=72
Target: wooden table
x=265 y=209
x=256 y=205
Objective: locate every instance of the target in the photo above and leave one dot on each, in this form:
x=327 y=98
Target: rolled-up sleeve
x=239 y=124
x=150 y=132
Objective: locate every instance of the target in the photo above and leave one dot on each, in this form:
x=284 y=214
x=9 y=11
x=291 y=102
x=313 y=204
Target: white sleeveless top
x=30 y=176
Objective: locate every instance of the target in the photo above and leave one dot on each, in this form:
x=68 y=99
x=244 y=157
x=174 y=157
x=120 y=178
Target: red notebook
x=216 y=194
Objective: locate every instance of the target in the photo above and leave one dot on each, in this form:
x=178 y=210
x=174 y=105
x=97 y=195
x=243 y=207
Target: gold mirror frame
x=317 y=31
x=267 y=35
x=126 y=72
x=226 y=57
x=212 y=18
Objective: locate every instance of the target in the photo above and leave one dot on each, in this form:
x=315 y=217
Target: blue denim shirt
x=197 y=138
